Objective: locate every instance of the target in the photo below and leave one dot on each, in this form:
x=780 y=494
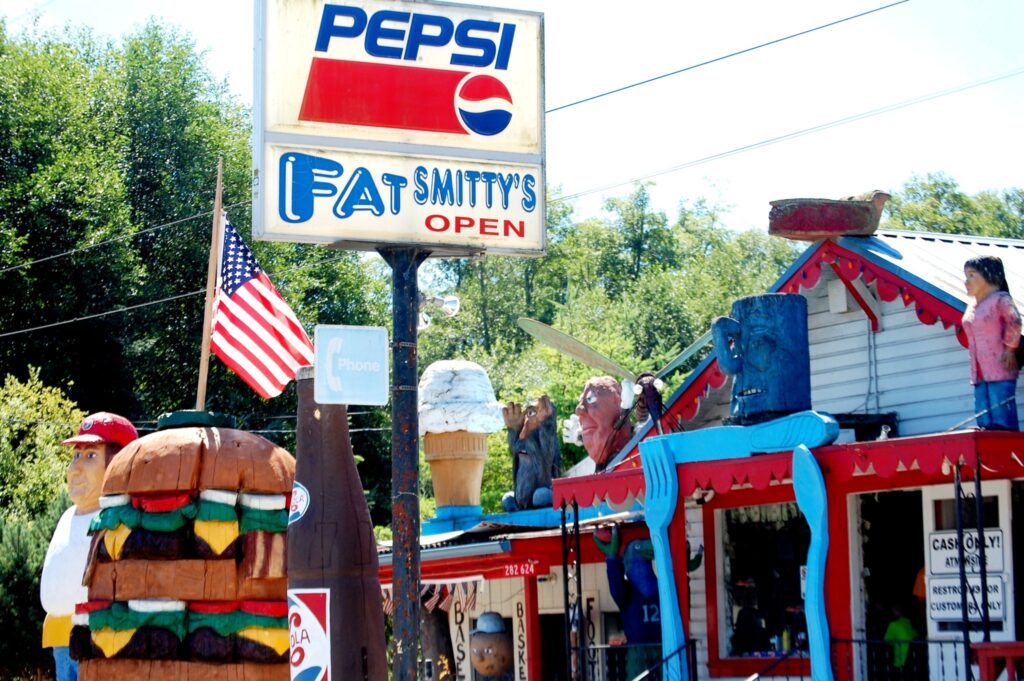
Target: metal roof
x=935 y=262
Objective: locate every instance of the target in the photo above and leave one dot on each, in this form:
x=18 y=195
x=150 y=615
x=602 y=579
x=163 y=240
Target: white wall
x=698 y=628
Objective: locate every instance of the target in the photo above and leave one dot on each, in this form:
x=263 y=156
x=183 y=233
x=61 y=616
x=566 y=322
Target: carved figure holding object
x=536 y=457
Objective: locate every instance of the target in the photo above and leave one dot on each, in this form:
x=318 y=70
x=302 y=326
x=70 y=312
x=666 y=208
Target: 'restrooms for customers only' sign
x=389 y=122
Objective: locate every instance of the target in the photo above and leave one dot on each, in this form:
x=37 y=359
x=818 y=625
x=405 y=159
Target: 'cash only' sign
x=382 y=122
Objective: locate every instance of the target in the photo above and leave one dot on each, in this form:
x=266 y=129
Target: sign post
x=405 y=470
x=413 y=129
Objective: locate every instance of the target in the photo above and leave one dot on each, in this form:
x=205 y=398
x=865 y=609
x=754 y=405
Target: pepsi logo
x=300 y=502
x=484 y=105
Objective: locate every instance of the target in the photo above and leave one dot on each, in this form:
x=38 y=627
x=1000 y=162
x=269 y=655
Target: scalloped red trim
x=839 y=463
x=850 y=265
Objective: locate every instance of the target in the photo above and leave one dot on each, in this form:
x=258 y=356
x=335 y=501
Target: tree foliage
x=23 y=543
x=109 y=152
x=34 y=419
x=935 y=203
x=635 y=287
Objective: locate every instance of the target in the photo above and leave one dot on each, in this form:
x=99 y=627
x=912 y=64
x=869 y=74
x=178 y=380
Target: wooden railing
x=993 y=658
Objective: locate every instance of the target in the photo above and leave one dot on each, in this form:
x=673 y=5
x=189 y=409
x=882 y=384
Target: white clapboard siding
x=698 y=628
x=921 y=369
x=551 y=597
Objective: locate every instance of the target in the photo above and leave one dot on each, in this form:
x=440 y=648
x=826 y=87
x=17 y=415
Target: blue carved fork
x=660 y=500
x=811 y=498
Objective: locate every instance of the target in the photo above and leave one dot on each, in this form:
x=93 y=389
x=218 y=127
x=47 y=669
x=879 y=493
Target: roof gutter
x=458 y=551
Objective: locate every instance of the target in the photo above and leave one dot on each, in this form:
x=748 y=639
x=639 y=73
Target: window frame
x=720 y=665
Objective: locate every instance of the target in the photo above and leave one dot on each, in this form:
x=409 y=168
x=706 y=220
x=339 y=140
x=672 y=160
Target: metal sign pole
x=405 y=498
x=964 y=615
x=979 y=516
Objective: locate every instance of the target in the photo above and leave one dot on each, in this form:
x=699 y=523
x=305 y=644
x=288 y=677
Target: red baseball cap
x=104 y=427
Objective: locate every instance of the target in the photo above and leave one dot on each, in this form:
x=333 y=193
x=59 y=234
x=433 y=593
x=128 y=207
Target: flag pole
x=211 y=283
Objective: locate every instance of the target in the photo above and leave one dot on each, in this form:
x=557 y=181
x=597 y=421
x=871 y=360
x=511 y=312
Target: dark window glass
x=763 y=550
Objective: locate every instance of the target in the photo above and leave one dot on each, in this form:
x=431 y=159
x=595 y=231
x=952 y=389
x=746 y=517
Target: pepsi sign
x=458 y=87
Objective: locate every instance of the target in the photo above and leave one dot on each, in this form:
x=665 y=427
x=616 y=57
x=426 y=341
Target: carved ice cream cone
x=456 y=465
x=456 y=412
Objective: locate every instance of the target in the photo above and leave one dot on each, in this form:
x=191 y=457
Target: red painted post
x=837 y=577
x=532 y=629
x=677 y=542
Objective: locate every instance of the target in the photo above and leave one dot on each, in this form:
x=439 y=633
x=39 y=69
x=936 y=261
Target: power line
x=101 y=314
x=117 y=238
x=33 y=10
x=557 y=108
x=795 y=134
x=657 y=173
x=723 y=57
x=154 y=302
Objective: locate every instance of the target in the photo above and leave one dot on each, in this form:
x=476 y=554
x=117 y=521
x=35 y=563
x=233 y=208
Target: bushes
x=23 y=546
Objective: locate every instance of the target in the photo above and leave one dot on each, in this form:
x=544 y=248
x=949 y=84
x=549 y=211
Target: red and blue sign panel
x=394 y=91
x=406 y=98
x=309 y=629
x=390 y=103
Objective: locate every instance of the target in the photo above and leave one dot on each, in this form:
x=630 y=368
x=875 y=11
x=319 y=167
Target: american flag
x=448 y=599
x=254 y=331
x=431 y=602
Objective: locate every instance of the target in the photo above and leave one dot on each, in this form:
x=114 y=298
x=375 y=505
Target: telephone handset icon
x=333 y=349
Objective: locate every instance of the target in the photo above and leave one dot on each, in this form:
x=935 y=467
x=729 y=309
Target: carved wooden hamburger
x=187 y=575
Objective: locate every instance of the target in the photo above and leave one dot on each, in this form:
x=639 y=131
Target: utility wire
x=154 y=302
x=557 y=108
x=723 y=57
x=33 y=10
x=794 y=135
x=665 y=171
x=102 y=314
x=117 y=238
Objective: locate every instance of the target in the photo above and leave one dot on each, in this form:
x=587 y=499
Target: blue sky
x=907 y=51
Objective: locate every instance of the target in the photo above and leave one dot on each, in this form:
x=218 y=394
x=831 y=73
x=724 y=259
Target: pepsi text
x=390 y=34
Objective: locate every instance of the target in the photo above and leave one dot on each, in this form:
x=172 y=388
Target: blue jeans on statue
x=67 y=669
x=987 y=396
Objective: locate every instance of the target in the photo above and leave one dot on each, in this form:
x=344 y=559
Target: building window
x=763 y=549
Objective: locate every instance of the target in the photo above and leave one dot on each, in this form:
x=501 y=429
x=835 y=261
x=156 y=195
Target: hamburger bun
x=186 y=459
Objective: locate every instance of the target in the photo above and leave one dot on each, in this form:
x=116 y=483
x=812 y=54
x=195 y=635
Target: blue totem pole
x=764 y=346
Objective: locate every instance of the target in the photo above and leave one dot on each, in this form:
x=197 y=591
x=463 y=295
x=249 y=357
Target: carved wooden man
x=536 y=457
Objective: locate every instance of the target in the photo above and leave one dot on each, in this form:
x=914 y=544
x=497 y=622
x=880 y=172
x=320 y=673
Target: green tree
x=643 y=236
x=23 y=544
x=689 y=272
x=61 y=189
x=935 y=203
x=113 y=149
x=34 y=419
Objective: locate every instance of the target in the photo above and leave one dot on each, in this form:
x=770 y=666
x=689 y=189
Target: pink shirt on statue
x=992 y=327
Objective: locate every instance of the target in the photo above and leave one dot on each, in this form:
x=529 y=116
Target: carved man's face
x=598 y=410
x=85 y=475
x=491 y=653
